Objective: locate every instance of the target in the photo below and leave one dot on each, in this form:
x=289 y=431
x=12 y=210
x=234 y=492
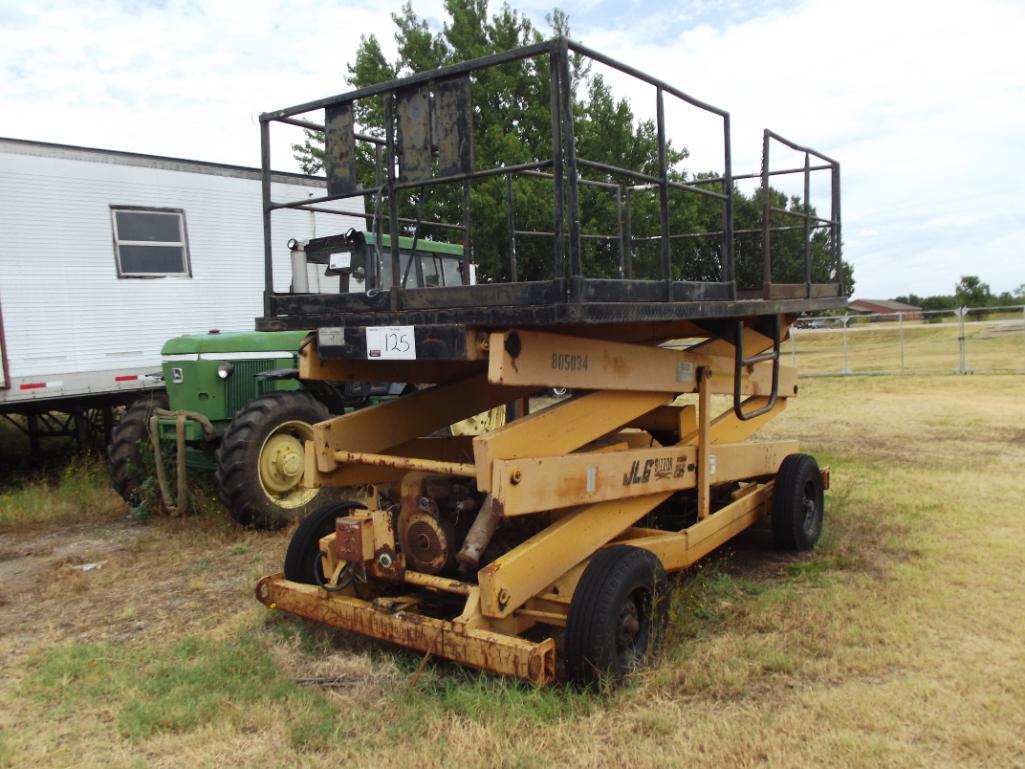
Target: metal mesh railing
x=418 y=152
x=961 y=341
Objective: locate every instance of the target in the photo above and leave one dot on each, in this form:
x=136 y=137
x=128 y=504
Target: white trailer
x=105 y=255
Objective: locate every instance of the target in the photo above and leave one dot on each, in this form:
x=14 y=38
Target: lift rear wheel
x=302 y=559
x=617 y=616
x=260 y=462
x=797 y=505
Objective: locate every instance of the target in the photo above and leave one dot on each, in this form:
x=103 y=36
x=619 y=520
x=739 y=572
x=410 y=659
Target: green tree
x=970 y=291
x=512 y=124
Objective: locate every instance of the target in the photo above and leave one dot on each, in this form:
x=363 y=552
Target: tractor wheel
x=129 y=448
x=302 y=558
x=260 y=461
x=797 y=508
x=617 y=616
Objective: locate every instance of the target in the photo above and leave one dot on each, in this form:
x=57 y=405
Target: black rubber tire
x=238 y=459
x=128 y=442
x=797 y=503
x=615 y=576
x=303 y=554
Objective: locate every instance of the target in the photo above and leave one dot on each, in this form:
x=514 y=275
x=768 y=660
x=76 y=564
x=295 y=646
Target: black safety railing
x=427 y=140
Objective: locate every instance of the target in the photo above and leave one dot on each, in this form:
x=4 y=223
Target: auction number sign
x=391 y=343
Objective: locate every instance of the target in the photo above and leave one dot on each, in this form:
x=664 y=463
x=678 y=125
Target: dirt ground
x=897 y=642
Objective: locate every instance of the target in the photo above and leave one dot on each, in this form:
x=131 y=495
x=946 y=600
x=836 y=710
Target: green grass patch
x=6 y=758
x=178 y=688
x=503 y=701
x=79 y=491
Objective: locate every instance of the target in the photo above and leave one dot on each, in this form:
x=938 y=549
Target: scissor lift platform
x=540 y=546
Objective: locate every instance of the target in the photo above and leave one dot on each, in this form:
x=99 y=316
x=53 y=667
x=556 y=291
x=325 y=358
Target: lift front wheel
x=797 y=506
x=302 y=560
x=617 y=616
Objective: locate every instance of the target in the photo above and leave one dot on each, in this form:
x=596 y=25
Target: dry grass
x=897 y=642
x=994 y=344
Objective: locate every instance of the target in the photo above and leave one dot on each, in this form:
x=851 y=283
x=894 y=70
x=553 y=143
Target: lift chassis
x=587 y=473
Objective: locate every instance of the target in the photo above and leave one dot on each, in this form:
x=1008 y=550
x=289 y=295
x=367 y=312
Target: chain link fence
x=961 y=341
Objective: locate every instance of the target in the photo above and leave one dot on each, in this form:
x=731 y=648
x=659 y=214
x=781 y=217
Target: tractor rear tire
x=617 y=616
x=260 y=460
x=797 y=504
x=302 y=558
x=129 y=447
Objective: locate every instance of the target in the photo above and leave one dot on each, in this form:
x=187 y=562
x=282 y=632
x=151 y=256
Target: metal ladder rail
x=740 y=362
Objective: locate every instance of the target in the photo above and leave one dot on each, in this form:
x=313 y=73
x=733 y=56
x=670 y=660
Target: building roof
x=119 y=157
x=886 y=304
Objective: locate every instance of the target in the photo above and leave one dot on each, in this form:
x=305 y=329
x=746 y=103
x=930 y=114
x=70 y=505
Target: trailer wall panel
x=66 y=311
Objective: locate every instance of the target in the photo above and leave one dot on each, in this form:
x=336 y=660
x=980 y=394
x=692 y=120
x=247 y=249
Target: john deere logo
x=176 y=375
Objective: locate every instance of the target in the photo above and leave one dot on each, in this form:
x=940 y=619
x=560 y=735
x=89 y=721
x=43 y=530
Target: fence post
x=900 y=320
x=846 y=367
x=962 y=366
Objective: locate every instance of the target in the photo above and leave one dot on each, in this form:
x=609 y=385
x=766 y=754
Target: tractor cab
x=363 y=262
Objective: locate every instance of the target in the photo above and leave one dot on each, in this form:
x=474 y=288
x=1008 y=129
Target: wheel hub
x=282 y=463
x=629 y=626
x=809 y=508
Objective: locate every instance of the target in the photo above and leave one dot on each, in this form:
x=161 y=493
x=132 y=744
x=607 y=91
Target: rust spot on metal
x=393 y=572
x=349 y=540
x=454 y=137
x=413 y=108
x=508 y=655
x=340 y=149
x=405 y=463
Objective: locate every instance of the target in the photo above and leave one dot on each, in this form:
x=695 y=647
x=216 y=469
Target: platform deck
x=419 y=308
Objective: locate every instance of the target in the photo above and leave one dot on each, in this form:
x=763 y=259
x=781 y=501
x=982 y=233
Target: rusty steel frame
x=588 y=463
x=454 y=640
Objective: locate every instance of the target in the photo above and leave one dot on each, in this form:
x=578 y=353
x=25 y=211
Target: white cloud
x=922 y=103
x=178 y=78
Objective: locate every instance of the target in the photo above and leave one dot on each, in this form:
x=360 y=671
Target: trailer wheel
x=302 y=559
x=260 y=461
x=126 y=461
x=617 y=616
x=797 y=508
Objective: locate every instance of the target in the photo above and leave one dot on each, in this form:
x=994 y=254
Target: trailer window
x=150 y=242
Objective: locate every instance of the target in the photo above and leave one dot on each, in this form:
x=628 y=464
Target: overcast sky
x=923 y=103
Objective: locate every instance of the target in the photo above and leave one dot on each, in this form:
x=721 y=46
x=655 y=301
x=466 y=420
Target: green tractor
x=244 y=418
x=234 y=404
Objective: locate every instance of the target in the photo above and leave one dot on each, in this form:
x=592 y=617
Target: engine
x=444 y=526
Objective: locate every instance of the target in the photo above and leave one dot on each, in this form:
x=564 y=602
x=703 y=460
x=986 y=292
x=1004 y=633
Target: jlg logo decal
x=661 y=468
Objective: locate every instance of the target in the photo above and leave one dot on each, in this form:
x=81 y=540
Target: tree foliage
x=969 y=291
x=512 y=124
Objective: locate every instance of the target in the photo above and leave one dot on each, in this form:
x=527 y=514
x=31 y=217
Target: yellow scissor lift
x=586 y=472
x=541 y=547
